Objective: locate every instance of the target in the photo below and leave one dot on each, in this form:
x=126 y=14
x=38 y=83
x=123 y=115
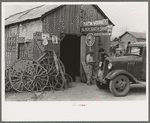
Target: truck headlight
x=100 y=64
x=109 y=65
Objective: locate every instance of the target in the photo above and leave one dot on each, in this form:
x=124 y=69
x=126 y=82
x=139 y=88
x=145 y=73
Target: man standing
x=103 y=55
x=90 y=62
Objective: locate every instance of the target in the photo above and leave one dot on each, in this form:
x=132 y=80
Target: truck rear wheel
x=120 y=85
x=101 y=85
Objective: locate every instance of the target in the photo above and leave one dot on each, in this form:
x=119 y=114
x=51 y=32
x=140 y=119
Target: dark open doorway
x=70 y=54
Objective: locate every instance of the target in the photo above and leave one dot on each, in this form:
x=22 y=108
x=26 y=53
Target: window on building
x=23 y=50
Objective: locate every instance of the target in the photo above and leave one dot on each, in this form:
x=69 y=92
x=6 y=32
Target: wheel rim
x=121 y=84
x=15 y=78
x=61 y=66
x=56 y=82
x=47 y=63
x=7 y=82
x=68 y=78
x=16 y=73
x=35 y=78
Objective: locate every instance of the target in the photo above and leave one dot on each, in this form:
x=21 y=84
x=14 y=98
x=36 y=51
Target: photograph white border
x=63 y=110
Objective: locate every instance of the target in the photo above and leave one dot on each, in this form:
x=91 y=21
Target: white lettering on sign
x=97 y=29
x=96 y=23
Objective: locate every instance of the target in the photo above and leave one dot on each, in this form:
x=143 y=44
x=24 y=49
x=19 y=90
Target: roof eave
x=98 y=8
x=23 y=21
x=53 y=10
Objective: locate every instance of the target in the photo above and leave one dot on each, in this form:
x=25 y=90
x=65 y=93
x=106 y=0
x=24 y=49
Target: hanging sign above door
x=95 y=23
x=97 y=27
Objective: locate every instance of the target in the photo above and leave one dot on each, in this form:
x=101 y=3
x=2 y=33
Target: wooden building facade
x=64 y=21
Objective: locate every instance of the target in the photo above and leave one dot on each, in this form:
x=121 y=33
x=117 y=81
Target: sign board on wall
x=95 y=23
x=45 y=36
x=54 y=39
x=37 y=35
x=11 y=44
x=97 y=27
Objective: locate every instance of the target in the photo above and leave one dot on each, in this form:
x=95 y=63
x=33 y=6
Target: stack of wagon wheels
x=53 y=66
x=30 y=75
x=27 y=75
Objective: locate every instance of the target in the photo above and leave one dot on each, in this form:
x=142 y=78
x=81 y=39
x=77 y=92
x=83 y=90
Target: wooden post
x=83 y=56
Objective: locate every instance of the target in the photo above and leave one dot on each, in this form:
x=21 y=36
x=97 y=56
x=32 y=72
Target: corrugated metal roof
x=29 y=14
x=37 y=12
x=135 y=34
x=138 y=34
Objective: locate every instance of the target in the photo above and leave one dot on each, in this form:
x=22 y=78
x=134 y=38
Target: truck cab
x=119 y=72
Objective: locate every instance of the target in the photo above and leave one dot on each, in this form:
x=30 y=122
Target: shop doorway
x=70 y=54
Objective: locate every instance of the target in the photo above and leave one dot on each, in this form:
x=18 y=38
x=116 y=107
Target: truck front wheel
x=120 y=85
x=101 y=85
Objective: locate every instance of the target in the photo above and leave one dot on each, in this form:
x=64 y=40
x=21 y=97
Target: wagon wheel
x=68 y=78
x=47 y=63
x=61 y=65
x=16 y=74
x=7 y=82
x=35 y=77
x=56 y=82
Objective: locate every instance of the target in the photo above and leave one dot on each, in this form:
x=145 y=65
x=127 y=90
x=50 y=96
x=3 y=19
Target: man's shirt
x=89 y=58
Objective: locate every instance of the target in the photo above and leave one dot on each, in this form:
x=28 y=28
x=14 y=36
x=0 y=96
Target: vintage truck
x=119 y=72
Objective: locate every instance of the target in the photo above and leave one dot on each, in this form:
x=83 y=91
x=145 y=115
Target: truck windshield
x=135 y=50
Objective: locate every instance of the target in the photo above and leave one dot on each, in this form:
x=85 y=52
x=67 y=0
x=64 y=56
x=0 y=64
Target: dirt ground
x=79 y=92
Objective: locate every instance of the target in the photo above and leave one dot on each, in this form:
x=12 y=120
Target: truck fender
x=115 y=73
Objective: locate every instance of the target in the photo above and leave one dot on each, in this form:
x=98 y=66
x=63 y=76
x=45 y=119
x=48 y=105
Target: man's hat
x=101 y=49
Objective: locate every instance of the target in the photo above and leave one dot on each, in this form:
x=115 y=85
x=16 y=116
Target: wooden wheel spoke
x=39 y=84
x=40 y=70
x=14 y=85
x=33 y=86
x=30 y=85
x=36 y=69
x=15 y=80
x=48 y=63
x=27 y=76
x=6 y=83
x=27 y=71
x=58 y=83
x=27 y=82
x=44 y=62
x=19 y=85
x=42 y=73
x=36 y=86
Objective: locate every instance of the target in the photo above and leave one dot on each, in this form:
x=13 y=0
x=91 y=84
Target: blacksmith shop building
x=64 y=21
